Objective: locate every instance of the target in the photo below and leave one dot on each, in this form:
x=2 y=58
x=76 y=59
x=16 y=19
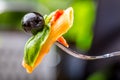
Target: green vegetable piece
x=33 y=46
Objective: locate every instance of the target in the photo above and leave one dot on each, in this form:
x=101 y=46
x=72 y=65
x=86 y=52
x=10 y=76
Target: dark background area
x=106 y=39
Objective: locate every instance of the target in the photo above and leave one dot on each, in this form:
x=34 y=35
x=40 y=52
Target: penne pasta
x=57 y=24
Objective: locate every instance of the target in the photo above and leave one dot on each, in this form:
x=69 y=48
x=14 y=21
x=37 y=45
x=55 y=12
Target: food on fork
x=46 y=30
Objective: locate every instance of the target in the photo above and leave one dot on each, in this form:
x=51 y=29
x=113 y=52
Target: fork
x=86 y=57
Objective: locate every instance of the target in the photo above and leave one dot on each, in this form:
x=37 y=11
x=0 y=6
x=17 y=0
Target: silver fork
x=86 y=57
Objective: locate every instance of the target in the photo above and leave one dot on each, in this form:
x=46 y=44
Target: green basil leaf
x=34 y=44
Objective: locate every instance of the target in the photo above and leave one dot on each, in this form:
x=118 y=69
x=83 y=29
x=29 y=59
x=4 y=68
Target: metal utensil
x=86 y=57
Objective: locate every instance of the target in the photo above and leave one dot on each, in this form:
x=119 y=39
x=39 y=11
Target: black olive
x=33 y=22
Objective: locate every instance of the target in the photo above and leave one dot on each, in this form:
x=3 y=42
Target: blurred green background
x=81 y=33
x=12 y=12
